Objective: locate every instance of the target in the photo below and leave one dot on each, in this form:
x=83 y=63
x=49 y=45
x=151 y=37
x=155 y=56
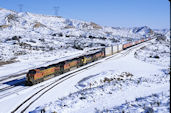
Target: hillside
x=136 y=79
x=34 y=39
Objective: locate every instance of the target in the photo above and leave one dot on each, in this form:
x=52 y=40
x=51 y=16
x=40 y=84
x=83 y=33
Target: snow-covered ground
x=158 y=52
x=121 y=81
x=134 y=80
x=155 y=103
x=124 y=84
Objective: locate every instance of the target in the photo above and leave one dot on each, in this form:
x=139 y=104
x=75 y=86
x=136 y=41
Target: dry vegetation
x=95 y=26
x=38 y=24
x=11 y=17
x=4 y=26
x=7 y=62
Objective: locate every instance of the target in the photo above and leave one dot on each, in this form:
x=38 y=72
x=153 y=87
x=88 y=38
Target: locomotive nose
x=30 y=76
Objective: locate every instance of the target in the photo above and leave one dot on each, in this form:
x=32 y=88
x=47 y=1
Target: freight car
x=127 y=45
x=108 y=51
x=41 y=74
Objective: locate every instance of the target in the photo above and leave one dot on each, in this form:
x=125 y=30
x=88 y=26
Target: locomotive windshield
x=32 y=72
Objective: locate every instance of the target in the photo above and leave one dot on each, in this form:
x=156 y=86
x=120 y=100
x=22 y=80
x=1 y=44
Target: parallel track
x=12 y=76
x=29 y=101
x=46 y=89
x=11 y=86
x=25 y=71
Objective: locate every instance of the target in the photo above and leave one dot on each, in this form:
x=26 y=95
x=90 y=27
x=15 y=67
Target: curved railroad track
x=5 y=91
x=29 y=101
x=22 y=83
x=11 y=76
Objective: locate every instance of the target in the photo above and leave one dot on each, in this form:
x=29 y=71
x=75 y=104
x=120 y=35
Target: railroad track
x=6 y=94
x=11 y=76
x=126 y=52
x=6 y=91
x=11 y=86
x=12 y=83
x=23 y=72
x=22 y=82
x=29 y=101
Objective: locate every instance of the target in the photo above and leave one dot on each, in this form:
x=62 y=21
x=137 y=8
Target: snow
x=41 y=36
x=150 y=103
x=127 y=85
x=134 y=80
x=157 y=53
x=146 y=80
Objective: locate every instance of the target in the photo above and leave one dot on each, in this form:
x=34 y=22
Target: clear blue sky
x=115 y=13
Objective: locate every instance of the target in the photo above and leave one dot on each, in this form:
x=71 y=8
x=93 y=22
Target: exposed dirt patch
x=7 y=62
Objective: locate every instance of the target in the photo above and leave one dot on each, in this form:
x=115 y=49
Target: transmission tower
x=56 y=9
x=20 y=7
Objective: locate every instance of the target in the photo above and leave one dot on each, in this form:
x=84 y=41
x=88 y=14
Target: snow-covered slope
x=126 y=82
x=158 y=52
x=25 y=37
x=123 y=85
x=165 y=32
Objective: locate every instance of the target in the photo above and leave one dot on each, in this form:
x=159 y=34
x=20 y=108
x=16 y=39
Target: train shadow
x=16 y=82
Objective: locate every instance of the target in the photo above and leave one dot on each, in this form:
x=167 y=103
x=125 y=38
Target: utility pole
x=56 y=9
x=20 y=7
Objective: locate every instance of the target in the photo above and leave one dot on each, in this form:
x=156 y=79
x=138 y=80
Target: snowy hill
x=136 y=79
x=165 y=32
x=26 y=36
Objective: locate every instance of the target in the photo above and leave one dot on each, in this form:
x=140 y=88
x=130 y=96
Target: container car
x=114 y=49
x=120 y=47
x=108 y=51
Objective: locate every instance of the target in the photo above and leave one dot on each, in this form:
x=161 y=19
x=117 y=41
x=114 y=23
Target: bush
x=32 y=41
x=106 y=79
x=60 y=35
x=11 y=17
x=81 y=98
x=156 y=56
x=16 y=38
x=42 y=39
x=91 y=37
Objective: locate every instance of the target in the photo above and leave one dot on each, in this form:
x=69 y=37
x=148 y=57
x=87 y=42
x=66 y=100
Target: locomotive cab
x=30 y=77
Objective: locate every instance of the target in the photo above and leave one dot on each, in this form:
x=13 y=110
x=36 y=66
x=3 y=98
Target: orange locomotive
x=38 y=75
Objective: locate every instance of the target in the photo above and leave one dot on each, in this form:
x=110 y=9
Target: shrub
x=156 y=56
x=42 y=39
x=11 y=17
x=38 y=24
x=81 y=98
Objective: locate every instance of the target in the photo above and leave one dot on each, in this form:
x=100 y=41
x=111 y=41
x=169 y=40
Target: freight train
x=41 y=74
